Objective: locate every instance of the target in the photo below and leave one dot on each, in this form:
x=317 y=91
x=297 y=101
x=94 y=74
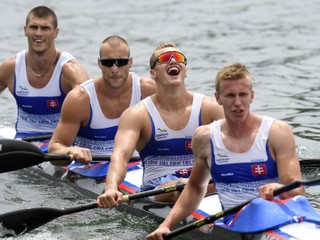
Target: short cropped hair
x=43 y=12
x=115 y=40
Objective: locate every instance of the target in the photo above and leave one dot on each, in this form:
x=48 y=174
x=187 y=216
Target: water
x=277 y=40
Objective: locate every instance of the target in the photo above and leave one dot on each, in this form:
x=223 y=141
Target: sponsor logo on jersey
x=22 y=91
x=161 y=134
x=222 y=158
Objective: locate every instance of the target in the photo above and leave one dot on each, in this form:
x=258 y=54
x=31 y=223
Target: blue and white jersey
x=100 y=131
x=237 y=176
x=38 y=108
x=169 y=151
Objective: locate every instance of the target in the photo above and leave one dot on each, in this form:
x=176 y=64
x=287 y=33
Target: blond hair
x=158 y=47
x=231 y=72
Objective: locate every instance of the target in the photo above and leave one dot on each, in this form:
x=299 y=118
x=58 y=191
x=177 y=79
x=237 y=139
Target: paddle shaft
x=212 y=218
x=37 y=138
x=309 y=162
x=17 y=154
x=178 y=187
x=58 y=157
x=154 y=192
x=66 y=211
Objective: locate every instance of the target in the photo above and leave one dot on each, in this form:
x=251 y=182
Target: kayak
x=91 y=182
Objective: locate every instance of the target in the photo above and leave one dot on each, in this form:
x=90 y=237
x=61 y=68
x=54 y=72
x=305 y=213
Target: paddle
x=309 y=162
x=23 y=221
x=37 y=138
x=212 y=218
x=17 y=154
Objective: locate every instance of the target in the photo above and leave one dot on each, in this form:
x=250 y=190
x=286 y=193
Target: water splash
x=5 y=232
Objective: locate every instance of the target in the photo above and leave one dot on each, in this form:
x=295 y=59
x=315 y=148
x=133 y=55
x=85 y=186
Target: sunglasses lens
x=120 y=62
x=165 y=57
x=107 y=62
x=179 y=57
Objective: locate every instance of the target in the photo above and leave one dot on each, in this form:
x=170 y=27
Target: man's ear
x=99 y=63
x=56 y=32
x=152 y=74
x=218 y=98
x=252 y=96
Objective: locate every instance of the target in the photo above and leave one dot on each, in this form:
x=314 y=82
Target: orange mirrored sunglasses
x=166 y=57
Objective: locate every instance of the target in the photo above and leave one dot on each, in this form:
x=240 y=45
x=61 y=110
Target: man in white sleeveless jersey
x=246 y=155
x=40 y=77
x=160 y=128
x=91 y=112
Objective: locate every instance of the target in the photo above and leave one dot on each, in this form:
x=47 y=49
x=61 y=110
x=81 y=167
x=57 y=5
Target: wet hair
x=115 y=41
x=231 y=72
x=158 y=47
x=43 y=12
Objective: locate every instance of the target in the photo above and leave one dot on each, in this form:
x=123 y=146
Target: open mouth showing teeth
x=173 y=71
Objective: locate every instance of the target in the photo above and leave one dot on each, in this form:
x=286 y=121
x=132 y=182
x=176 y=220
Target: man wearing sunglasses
x=160 y=128
x=91 y=112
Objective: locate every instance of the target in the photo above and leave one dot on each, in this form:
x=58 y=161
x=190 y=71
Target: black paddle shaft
x=37 y=138
x=17 y=154
x=154 y=192
x=23 y=221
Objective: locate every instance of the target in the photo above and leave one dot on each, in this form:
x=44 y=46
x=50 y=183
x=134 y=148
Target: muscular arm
x=131 y=125
x=75 y=113
x=7 y=74
x=148 y=87
x=211 y=110
x=73 y=74
x=196 y=186
x=282 y=147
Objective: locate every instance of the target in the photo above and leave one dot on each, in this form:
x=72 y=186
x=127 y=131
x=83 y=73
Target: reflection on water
x=277 y=40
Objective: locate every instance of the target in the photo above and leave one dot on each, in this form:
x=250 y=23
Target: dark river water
x=277 y=40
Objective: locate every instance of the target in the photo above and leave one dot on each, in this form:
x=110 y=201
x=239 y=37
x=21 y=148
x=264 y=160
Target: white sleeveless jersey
x=237 y=176
x=169 y=151
x=38 y=108
x=100 y=131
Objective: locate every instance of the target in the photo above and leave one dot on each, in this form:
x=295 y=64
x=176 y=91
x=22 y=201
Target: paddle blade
x=16 y=154
x=12 y=145
x=18 y=160
x=23 y=221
